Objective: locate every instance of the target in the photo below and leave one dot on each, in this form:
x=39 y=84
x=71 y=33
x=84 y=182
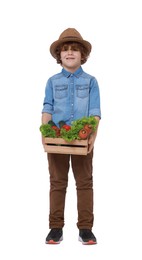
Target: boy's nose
x=69 y=50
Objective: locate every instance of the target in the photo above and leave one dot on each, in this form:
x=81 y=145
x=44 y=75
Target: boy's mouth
x=70 y=58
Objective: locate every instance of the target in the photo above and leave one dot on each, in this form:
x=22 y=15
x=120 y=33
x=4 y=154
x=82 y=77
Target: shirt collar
x=77 y=73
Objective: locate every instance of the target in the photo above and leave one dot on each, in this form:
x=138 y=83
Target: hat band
x=71 y=37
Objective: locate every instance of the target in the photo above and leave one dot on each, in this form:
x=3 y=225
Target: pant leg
x=58 y=169
x=82 y=169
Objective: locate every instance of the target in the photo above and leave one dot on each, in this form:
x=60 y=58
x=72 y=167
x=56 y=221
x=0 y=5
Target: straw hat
x=69 y=35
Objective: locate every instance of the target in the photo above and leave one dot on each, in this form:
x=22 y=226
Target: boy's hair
x=74 y=46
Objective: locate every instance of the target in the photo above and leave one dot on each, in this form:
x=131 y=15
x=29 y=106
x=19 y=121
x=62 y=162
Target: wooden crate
x=59 y=145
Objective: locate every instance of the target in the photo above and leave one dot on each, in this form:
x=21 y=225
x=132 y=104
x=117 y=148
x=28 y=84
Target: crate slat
x=59 y=145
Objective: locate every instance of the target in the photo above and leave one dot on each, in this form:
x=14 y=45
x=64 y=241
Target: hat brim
x=55 y=44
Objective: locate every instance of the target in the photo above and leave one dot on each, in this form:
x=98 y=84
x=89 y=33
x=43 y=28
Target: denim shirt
x=70 y=96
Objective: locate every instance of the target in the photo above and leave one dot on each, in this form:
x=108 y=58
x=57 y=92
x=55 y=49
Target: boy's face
x=70 y=57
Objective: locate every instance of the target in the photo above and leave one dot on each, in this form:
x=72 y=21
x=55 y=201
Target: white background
x=27 y=28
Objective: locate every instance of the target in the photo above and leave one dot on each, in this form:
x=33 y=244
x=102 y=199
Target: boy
x=70 y=95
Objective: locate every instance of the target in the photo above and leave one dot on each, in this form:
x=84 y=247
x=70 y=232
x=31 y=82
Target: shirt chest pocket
x=82 y=91
x=61 y=91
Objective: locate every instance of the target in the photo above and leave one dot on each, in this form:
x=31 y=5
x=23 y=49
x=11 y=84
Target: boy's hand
x=91 y=142
x=43 y=140
x=93 y=137
x=44 y=120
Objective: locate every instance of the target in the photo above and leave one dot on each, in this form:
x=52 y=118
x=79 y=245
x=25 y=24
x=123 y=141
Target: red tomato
x=66 y=127
x=83 y=134
x=88 y=128
x=57 y=130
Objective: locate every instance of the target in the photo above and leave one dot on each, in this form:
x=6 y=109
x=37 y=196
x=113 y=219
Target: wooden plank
x=49 y=140
x=65 y=150
x=60 y=146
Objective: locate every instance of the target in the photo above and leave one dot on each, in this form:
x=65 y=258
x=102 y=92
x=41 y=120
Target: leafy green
x=80 y=123
x=72 y=134
x=47 y=130
x=76 y=126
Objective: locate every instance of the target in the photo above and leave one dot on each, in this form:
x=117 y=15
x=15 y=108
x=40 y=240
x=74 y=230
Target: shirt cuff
x=95 y=112
x=47 y=109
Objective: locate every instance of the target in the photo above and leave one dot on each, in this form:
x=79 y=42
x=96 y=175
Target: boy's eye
x=66 y=48
x=74 y=49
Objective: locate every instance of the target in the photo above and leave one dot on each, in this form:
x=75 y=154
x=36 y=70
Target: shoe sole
x=52 y=242
x=90 y=242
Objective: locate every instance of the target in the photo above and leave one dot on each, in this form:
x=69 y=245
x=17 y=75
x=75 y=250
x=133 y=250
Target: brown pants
x=82 y=169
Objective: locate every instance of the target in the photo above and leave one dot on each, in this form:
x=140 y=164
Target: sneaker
x=55 y=236
x=87 y=237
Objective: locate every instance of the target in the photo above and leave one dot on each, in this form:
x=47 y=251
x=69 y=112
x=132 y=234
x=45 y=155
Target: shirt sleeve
x=94 y=104
x=48 y=99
